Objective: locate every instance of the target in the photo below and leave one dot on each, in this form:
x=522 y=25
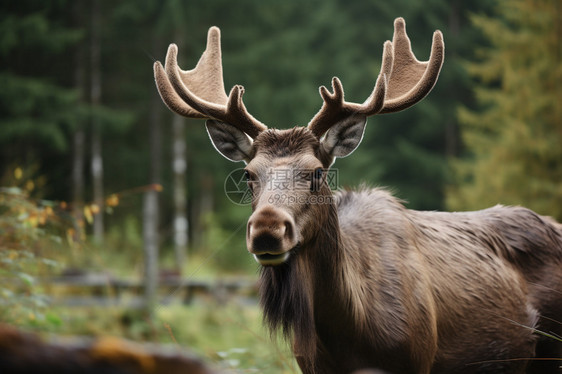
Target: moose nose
x=270 y=231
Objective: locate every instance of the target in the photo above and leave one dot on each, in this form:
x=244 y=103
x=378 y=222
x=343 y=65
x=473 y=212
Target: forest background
x=96 y=173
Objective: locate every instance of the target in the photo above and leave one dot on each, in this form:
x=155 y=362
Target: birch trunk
x=151 y=208
x=95 y=100
x=78 y=141
x=181 y=222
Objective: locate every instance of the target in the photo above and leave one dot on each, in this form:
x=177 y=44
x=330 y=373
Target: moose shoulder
x=354 y=279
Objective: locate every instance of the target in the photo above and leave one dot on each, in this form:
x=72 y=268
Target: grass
x=229 y=337
x=232 y=337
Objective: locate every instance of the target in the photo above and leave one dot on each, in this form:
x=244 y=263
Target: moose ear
x=344 y=137
x=232 y=143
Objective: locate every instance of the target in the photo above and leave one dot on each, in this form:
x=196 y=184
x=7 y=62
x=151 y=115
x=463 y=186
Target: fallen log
x=23 y=352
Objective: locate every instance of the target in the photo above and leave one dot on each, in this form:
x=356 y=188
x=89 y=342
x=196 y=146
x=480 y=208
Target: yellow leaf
x=42 y=218
x=33 y=220
x=18 y=173
x=88 y=214
x=112 y=200
x=29 y=185
x=70 y=236
x=94 y=208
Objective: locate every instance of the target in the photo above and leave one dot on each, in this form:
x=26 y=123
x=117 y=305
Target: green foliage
x=514 y=135
x=20 y=301
x=32 y=104
x=22 y=229
x=40 y=109
x=30 y=25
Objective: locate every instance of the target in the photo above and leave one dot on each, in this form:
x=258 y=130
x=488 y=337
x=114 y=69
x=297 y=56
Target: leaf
x=40 y=301
x=112 y=200
x=94 y=208
x=26 y=278
x=18 y=173
x=50 y=262
x=222 y=354
x=57 y=239
x=53 y=319
x=6 y=293
x=88 y=214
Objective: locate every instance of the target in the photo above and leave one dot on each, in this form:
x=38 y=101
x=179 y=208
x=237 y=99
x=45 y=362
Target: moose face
x=286 y=173
x=287 y=180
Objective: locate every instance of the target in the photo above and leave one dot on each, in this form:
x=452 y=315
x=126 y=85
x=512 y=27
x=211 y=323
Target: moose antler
x=199 y=93
x=402 y=82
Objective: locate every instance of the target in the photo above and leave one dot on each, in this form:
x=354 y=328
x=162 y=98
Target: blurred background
x=113 y=212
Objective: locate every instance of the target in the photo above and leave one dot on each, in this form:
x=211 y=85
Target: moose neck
x=304 y=294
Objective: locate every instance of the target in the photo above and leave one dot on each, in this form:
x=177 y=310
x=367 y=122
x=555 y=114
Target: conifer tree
x=514 y=137
x=36 y=106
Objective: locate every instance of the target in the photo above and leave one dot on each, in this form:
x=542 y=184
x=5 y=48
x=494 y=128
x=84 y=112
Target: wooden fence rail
x=107 y=290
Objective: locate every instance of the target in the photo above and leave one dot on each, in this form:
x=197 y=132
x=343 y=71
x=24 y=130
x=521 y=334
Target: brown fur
x=375 y=285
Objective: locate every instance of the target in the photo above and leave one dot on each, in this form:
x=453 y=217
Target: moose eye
x=318 y=173
x=316 y=179
x=250 y=180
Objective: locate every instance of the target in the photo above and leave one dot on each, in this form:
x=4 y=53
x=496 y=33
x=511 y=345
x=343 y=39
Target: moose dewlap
x=354 y=279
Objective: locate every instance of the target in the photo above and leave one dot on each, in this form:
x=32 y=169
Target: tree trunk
x=150 y=237
x=95 y=100
x=181 y=223
x=78 y=148
x=151 y=208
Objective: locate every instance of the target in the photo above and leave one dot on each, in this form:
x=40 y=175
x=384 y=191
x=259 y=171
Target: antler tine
x=402 y=82
x=199 y=93
x=169 y=95
x=335 y=108
x=411 y=80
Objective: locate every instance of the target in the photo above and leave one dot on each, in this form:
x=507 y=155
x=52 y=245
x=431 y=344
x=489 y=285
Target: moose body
x=353 y=278
x=378 y=285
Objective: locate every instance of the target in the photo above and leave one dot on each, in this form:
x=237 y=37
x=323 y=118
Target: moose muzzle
x=270 y=235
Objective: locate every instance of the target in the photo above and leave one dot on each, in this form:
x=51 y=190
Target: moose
x=355 y=280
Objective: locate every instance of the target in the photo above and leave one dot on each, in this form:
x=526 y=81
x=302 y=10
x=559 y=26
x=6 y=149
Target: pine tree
x=514 y=137
x=41 y=106
x=37 y=107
